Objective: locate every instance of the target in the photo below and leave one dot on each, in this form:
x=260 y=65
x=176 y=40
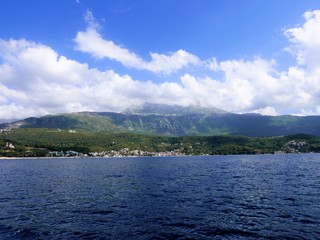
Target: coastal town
x=125 y=152
x=290 y=147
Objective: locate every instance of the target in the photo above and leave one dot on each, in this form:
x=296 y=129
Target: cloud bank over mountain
x=36 y=80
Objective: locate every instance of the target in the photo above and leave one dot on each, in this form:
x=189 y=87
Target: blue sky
x=94 y=55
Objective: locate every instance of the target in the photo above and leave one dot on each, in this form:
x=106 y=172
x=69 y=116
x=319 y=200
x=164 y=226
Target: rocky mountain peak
x=168 y=110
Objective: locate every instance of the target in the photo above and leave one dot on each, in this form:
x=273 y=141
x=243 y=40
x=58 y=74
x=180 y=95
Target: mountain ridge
x=168 y=110
x=176 y=121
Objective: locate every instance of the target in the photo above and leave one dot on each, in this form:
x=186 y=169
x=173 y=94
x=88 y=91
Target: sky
x=59 y=56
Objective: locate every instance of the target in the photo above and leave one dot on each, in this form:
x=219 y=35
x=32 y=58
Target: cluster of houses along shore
x=289 y=147
x=125 y=152
x=5 y=130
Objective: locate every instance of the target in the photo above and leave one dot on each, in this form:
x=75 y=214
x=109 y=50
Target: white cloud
x=212 y=64
x=268 y=111
x=90 y=41
x=36 y=80
x=161 y=63
x=247 y=85
x=16 y=111
x=306 y=40
x=305 y=77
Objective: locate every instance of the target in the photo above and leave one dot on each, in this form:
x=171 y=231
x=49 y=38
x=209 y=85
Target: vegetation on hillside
x=38 y=142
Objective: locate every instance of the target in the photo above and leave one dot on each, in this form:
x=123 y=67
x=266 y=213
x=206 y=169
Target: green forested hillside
x=37 y=142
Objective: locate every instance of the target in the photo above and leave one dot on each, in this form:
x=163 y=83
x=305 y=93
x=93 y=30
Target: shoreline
x=76 y=157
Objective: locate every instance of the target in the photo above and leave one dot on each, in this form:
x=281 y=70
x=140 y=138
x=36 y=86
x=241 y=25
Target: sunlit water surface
x=212 y=197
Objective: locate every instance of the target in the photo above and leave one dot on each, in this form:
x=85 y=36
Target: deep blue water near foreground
x=213 y=197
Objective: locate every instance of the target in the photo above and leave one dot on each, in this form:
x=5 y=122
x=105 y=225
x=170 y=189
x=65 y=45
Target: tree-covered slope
x=39 y=142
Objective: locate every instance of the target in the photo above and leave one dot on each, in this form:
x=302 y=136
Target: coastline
x=99 y=157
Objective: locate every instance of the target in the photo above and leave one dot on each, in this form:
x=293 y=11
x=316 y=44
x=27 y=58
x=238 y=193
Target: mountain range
x=175 y=121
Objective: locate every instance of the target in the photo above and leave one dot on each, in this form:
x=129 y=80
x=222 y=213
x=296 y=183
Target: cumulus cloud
x=90 y=41
x=246 y=85
x=306 y=40
x=305 y=48
x=35 y=80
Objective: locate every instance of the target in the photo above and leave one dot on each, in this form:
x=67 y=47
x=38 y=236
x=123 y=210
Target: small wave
x=86 y=235
x=26 y=233
x=114 y=176
x=106 y=212
x=225 y=232
x=289 y=199
x=307 y=221
x=284 y=216
x=4 y=227
x=182 y=225
x=236 y=176
x=168 y=235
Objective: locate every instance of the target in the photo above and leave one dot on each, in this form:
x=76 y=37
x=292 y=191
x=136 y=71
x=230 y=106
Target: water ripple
x=219 y=197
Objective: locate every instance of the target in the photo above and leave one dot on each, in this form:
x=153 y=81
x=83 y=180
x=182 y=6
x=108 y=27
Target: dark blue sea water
x=213 y=197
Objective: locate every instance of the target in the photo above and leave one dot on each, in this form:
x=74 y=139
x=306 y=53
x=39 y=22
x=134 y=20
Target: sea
x=203 y=197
